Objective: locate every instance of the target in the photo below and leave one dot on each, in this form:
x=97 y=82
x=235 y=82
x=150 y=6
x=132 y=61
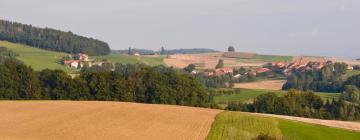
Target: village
x=302 y=64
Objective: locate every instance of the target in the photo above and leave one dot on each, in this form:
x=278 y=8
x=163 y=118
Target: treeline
x=132 y=51
x=51 y=39
x=328 y=79
x=302 y=104
x=130 y=83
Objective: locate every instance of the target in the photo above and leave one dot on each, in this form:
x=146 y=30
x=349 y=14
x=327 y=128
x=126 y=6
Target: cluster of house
x=219 y=72
x=80 y=60
x=287 y=68
x=302 y=66
x=223 y=71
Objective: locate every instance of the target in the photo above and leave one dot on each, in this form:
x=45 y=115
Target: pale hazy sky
x=296 y=27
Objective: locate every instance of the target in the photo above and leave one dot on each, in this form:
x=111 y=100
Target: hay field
x=75 y=120
x=268 y=84
x=210 y=60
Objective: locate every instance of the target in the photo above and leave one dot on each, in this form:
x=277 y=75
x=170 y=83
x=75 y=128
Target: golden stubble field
x=78 y=120
x=267 y=84
x=210 y=60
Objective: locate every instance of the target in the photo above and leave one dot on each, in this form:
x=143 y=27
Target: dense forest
x=51 y=39
x=303 y=104
x=328 y=79
x=130 y=83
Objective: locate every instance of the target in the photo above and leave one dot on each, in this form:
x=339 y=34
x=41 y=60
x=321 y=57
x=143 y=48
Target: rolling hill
x=153 y=60
x=38 y=59
x=68 y=120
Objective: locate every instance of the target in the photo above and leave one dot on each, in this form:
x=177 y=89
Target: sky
x=283 y=27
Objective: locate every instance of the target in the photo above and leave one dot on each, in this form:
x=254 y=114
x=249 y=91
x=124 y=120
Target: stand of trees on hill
x=130 y=83
x=302 y=104
x=5 y=53
x=328 y=79
x=51 y=39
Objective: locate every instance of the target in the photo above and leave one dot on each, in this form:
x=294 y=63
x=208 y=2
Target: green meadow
x=243 y=95
x=131 y=59
x=244 y=126
x=38 y=59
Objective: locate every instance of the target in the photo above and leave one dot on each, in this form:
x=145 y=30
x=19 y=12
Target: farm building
x=279 y=65
x=225 y=70
x=263 y=70
x=82 y=57
x=72 y=63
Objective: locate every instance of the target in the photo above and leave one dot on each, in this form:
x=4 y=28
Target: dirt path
x=268 y=84
x=355 y=126
x=76 y=120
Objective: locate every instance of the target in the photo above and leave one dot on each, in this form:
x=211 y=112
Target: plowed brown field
x=70 y=120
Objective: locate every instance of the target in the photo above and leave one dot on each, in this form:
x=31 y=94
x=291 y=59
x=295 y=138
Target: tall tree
x=220 y=64
x=231 y=49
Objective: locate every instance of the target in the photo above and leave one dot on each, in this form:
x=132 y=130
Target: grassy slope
x=248 y=94
x=37 y=58
x=242 y=126
x=130 y=59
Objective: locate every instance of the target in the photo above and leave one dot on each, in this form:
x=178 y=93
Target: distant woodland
x=51 y=39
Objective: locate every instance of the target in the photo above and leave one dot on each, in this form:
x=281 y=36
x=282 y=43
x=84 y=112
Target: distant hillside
x=131 y=51
x=166 y=52
x=190 y=51
x=38 y=59
x=51 y=39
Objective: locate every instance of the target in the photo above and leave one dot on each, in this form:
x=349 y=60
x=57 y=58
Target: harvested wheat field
x=78 y=120
x=268 y=84
x=208 y=60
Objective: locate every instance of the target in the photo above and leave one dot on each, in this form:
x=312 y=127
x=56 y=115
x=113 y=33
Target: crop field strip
x=245 y=126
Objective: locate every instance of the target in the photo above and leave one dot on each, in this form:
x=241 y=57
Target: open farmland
x=38 y=59
x=68 y=120
x=266 y=84
x=131 y=59
x=209 y=60
x=245 y=126
x=245 y=95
